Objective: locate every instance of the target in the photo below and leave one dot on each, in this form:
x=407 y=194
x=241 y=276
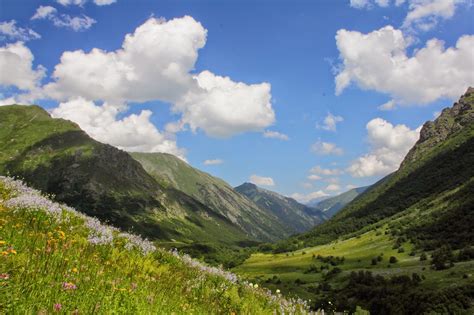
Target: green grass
x=288 y=271
x=48 y=263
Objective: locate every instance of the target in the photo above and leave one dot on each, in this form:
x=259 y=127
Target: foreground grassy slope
x=440 y=162
x=57 y=157
x=54 y=259
x=215 y=193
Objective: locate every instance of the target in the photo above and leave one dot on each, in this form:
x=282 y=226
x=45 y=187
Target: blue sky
x=290 y=45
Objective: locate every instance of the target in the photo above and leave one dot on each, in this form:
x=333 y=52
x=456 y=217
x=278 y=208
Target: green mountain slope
x=440 y=164
x=332 y=205
x=215 y=193
x=404 y=246
x=57 y=260
x=57 y=157
x=298 y=216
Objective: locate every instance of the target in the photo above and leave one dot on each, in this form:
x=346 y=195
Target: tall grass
x=54 y=259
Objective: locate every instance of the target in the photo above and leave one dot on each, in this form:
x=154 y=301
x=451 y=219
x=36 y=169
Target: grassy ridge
x=55 y=259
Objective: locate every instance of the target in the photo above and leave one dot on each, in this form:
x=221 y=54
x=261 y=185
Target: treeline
x=394 y=295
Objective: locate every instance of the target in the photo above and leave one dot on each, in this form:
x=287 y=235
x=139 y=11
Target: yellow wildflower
x=74 y=270
x=62 y=235
x=13 y=251
x=2 y=242
x=4 y=253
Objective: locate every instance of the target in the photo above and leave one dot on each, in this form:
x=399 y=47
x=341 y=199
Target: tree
x=393 y=260
x=442 y=258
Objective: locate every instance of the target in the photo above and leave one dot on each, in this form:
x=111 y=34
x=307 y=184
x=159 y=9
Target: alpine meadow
x=237 y=157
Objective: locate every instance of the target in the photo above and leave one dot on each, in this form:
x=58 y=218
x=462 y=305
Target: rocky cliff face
x=450 y=121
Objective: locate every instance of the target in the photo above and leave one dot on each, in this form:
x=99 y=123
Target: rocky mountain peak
x=450 y=121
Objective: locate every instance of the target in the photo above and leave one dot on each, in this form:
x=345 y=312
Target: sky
x=306 y=98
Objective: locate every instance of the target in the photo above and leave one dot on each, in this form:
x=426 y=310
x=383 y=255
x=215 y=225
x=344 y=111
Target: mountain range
x=154 y=194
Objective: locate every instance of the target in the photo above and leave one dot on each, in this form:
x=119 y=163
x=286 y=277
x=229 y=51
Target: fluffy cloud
x=213 y=162
x=71 y=2
x=314 y=177
x=16 y=62
x=379 y=61
x=154 y=63
x=389 y=145
x=44 y=12
x=82 y=2
x=104 y=2
x=388 y=105
x=76 y=23
x=135 y=133
x=9 y=30
x=8 y=101
x=330 y=122
x=318 y=170
x=424 y=14
x=361 y=4
x=326 y=148
x=261 y=181
x=333 y=187
x=275 y=135
x=304 y=198
x=222 y=107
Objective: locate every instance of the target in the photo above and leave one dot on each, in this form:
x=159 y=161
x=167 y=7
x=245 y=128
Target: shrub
x=393 y=260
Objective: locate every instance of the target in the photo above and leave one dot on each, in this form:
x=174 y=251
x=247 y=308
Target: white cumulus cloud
x=333 y=187
x=275 y=135
x=425 y=14
x=16 y=62
x=314 y=177
x=330 y=122
x=76 y=23
x=44 y=12
x=213 y=162
x=261 y=180
x=82 y=2
x=134 y=133
x=326 y=148
x=222 y=107
x=318 y=170
x=9 y=30
x=155 y=63
x=389 y=145
x=379 y=61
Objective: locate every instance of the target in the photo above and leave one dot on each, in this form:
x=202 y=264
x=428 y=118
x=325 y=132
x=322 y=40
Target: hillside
x=215 y=193
x=440 y=164
x=58 y=158
x=57 y=260
x=330 y=206
x=298 y=216
x=404 y=246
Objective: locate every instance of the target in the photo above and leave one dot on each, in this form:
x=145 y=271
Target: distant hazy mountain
x=330 y=206
x=215 y=193
x=298 y=216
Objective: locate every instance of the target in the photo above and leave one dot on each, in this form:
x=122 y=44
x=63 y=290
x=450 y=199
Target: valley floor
x=301 y=273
